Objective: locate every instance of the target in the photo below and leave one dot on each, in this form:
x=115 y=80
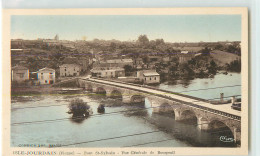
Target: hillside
x=221 y=57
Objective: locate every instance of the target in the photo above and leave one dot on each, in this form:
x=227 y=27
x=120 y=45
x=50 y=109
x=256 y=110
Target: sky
x=171 y=28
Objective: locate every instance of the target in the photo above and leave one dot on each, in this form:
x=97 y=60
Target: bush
x=234 y=66
x=78 y=108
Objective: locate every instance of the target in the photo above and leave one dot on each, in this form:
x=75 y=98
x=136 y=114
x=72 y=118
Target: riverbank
x=25 y=90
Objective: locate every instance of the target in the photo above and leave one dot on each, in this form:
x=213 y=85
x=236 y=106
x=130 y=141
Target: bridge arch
x=166 y=109
x=137 y=99
x=216 y=125
x=89 y=87
x=116 y=94
x=188 y=115
x=101 y=91
x=222 y=128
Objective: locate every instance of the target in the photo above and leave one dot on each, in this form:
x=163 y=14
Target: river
x=99 y=130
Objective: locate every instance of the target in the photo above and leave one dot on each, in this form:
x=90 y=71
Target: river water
x=99 y=130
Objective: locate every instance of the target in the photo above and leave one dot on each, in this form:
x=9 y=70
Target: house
x=108 y=73
x=46 y=76
x=70 y=70
x=149 y=76
x=20 y=74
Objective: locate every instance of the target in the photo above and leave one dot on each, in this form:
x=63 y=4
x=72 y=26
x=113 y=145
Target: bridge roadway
x=226 y=108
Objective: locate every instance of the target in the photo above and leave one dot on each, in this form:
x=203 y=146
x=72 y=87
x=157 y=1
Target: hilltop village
x=144 y=61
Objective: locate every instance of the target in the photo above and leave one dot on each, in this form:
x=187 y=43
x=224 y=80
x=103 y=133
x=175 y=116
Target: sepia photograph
x=124 y=79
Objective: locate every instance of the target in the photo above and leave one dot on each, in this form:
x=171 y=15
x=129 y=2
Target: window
x=65 y=69
x=106 y=73
x=154 y=78
x=150 y=78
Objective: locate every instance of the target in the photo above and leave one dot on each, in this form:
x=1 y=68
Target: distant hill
x=222 y=57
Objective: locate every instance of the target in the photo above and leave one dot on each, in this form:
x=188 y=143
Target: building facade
x=20 y=74
x=46 y=76
x=148 y=76
x=70 y=70
x=108 y=72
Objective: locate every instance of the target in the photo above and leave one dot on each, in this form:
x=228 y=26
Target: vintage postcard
x=85 y=82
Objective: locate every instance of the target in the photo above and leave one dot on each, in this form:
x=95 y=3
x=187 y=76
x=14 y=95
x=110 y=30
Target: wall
x=16 y=75
x=70 y=71
x=46 y=78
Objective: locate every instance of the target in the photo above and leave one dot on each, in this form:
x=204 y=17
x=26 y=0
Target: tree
x=128 y=70
x=234 y=66
x=78 y=108
x=205 y=51
x=212 y=67
x=159 y=42
x=145 y=59
x=112 y=45
x=143 y=40
x=219 y=47
x=233 y=49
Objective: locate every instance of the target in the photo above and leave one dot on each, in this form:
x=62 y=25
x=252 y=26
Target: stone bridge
x=181 y=107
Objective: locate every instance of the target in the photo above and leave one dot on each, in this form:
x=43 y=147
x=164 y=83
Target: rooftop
x=19 y=68
x=46 y=70
x=151 y=74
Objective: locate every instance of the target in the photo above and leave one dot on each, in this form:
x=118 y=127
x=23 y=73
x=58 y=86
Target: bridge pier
x=94 y=89
x=203 y=124
x=109 y=93
x=237 y=135
x=156 y=106
x=177 y=115
x=126 y=99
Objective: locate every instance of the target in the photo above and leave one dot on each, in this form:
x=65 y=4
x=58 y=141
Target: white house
x=46 y=76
